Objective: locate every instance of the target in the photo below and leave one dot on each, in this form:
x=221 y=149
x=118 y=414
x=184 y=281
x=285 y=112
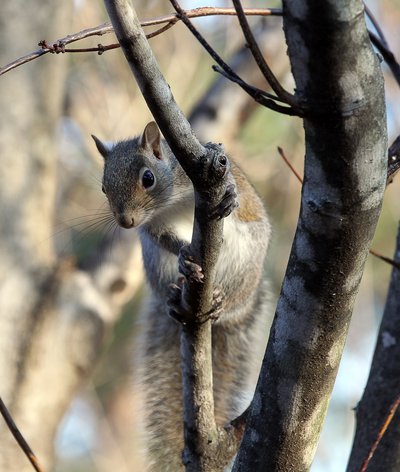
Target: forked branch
x=264 y=98
x=274 y=83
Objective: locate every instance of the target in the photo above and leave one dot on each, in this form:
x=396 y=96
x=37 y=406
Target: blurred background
x=76 y=95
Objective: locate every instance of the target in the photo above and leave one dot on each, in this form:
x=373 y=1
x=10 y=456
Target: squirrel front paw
x=180 y=312
x=188 y=267
x=227 y=204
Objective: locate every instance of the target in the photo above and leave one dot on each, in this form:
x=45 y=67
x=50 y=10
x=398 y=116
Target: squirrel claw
x=216 y=305
x=188 y=267
x=176 y=310
x=181 y=313
x=227 y=204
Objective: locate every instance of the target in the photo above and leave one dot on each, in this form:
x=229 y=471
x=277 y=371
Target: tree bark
x=382 y=390
x=345 y=173
x=207 y=167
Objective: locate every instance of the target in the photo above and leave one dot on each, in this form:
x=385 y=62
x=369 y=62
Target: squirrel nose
x=126 y=221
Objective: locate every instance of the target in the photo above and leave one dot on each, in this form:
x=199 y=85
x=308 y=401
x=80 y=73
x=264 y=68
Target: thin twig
x=59 y=47
x=375 y=23
x=260 y=96
x=19 y=438
x=259 y=58
x=385 y=259
x=380 y=42
x=289 y=164
x=387 y=55
x=228 y=72
x=106 y=28
x=212 y=11
x=237 y=80
x=381 y=433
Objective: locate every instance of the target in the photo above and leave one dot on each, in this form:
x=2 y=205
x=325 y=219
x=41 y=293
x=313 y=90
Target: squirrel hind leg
x=181 y=313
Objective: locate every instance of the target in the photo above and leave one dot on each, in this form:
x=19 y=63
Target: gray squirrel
x=147 y=189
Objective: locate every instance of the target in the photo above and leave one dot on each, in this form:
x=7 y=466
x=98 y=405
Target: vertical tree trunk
x=338 y=77
x=383 y=388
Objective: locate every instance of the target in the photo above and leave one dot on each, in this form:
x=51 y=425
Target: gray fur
x=164 y=215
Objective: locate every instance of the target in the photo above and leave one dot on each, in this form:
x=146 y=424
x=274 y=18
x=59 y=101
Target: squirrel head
x=138 y=176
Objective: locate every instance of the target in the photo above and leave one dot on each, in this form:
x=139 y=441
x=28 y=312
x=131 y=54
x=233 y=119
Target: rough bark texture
x=345 y=173
x=207 y=168
x=381 y=391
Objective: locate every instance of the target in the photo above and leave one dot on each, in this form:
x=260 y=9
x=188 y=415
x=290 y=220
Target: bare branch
x=383 y=258
x=376 y=25
x=380 y=42
x=387 y=55
x=250 y=89
x=100 y=30
x=289 y=164
x=381 y=433
x=263 y=98
x=105 y=28
x=258 y=95
x=19 y=437
x=208 y=168
x=261 y=62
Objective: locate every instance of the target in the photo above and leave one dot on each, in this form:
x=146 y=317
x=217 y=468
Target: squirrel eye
x=103 y=189
x=147 y=178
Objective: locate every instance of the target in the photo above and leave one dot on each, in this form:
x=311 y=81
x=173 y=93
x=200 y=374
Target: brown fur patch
x=250 y=205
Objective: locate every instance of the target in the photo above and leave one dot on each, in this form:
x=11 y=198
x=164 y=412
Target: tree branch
x=258 y=95
x=207 y=167
x=19 y=437
x=381 y=433
x=289 y=164
x=105 y=28
x=261 y=62
x=376 y=25
x=263 y=98
x=387 y=55
x=341 y=202
x=393 y=160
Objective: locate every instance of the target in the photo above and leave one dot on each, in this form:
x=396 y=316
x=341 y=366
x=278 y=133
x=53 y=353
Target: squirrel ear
x=104 y=148
x=151 y=139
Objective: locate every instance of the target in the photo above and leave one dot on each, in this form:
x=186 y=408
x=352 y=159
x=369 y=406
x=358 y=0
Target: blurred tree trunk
x=30 y=100
x=53 y=316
